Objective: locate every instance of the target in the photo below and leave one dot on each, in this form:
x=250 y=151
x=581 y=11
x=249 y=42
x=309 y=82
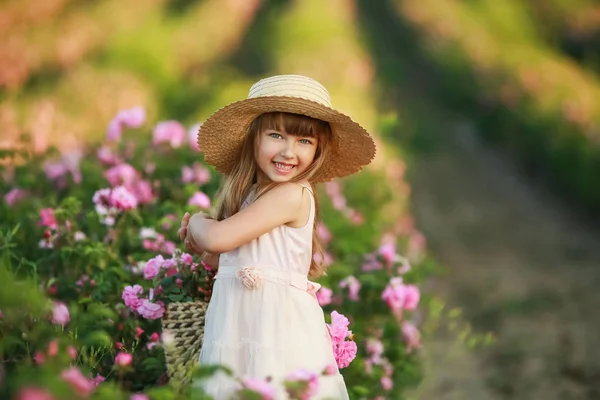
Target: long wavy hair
x=239 y=184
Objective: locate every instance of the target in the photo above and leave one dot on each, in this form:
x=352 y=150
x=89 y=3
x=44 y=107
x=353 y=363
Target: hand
x=183 y=234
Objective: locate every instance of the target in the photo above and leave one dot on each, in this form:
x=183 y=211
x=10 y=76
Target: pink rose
x=388 y=252
x=345 y=352
x=47 y=218
x=323 y=233
x=123 y=359
x=338 y=329
x=324 y=296
x=78 y=382
x=142 y=190
x=330 y=370
x=250 y=277
x=261 y=387
x=133 y=117
x=131 y=296
x=411 y=297
x=411 y=335
x=72 y=352
x=199 y=199
x=150 y=310
x=353 y=286
x=107 y=156
x=122 y=174
x=312 y=383
x=386 y=383
x=53 y=348
x=153 y=266
x=97 y=380
x=187 y=258
x=60 y=314
x=193 y=136
x=139 y=396
x=374 y=348
x=123 y=199
x=169 y=132
x=195 y=174
x=15 y=195
x=31 y=393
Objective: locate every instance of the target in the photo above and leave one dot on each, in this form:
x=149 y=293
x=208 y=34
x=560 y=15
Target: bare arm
x=282 y=205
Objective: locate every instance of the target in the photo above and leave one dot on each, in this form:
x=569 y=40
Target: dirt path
x=518 y=262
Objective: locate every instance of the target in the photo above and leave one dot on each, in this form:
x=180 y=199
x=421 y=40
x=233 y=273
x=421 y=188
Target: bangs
x=293 y=124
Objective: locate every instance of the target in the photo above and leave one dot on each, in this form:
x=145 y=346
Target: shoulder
x=290 y=192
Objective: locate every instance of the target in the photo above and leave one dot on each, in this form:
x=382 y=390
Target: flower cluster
x=343 y=350
x=112 y=202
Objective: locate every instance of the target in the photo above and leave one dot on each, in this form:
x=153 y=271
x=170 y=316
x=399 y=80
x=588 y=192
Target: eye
x=275 y=135
x=305 y=141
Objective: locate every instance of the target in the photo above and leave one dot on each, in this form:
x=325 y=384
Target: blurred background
x=494 y=106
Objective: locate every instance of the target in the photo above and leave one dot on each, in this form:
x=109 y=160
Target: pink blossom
x=15 y=195
x=149 y=232
x=150 y=310
x=54 y=170
x=388 y=252
x=79 y=236
x=353 y=286
x=123 y=359
x=32 y=393
x=345 y=352
x=169 y=132
x=193 y=136
x=411 y=336
x=399 y=296
x=60 y=314
x=196 y=174
x=326 y=259
x=199 y=199
x=122 y=174
x=187 y=258
x=53 y=348
x=312 y=380
x=139 y=396
x=154 y=337
x=47 y=218
x=330 y=369
x=39 y=357
x=123 y=199
x=107 y=156
x=339 y=202
x=323 y=233
x=131 y=295
x=78 y=382
x=387 y=383
x=97 y=380
x=261 y=387
x=153 y=266
x=138 y=331
x=131 y=118
x=374 y=349
x=338 y=329
x=324 y=296
x=142 y=190
x=72 y=352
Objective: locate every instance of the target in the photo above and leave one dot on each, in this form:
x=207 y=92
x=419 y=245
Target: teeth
x=283 y=166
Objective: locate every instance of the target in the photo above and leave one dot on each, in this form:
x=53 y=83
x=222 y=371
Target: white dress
x=274 y=329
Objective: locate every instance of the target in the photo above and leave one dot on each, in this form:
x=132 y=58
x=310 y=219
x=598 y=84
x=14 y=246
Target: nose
x=288 y=150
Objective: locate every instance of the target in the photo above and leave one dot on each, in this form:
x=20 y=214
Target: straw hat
x=221 y=136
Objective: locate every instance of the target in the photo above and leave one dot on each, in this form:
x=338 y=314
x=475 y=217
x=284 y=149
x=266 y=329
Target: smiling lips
x=283 y=168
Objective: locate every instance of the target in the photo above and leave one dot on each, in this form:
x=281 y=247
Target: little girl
x=263 y=319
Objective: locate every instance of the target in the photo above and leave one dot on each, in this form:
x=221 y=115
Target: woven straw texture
x=185 y=321
x=221 y=136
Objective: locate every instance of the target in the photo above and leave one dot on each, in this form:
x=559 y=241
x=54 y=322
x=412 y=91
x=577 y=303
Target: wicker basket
x=185 y=321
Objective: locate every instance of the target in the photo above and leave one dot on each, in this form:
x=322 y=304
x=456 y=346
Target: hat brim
x=221 y=136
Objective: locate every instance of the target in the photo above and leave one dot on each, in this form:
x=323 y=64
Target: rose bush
x=89 y=259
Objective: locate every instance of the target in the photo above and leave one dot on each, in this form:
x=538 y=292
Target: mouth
x=283 y=168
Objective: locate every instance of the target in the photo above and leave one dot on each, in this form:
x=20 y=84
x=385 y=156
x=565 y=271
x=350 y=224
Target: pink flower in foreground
x=139 y=396
x=199 y=199
x=151 y=310
x=338 y=329
x=31 y=393
x=353 y=286
x=399 y=296
x=123 y=359
x=15 y=195
x=171 y=132
x=79 y=383
x=47 y=218
x=131 y=296
x=123 y=199
x=261 y=387
x=411 y=336
x=324 y=296
x=312 y=383
x=345 y=352
x=60 y=314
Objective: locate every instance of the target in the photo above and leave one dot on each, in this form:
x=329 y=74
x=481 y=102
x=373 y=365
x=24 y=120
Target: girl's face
x=281 y=156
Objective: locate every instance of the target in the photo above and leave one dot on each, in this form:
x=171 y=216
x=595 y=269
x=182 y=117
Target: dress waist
x=252 y=277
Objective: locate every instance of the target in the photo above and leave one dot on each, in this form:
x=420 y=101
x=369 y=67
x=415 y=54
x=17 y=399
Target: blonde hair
x=238 y=184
